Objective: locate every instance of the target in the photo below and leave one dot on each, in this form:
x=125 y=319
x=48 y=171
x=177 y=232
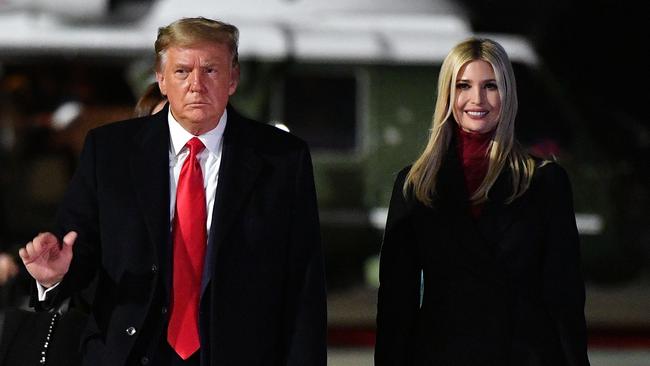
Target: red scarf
x=472 y=152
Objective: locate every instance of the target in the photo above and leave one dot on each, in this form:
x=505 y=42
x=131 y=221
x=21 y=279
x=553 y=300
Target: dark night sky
x=597 y=51
x=597 y=55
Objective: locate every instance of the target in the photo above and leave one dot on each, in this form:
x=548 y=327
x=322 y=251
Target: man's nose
x=196 y=81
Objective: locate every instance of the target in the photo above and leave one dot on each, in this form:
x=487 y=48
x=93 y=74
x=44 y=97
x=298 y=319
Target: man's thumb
x=70 y=238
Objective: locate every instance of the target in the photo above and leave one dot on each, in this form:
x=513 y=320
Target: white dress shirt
x=209 y=158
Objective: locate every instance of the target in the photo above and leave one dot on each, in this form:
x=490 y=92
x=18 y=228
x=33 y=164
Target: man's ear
x=234 y=80
x=160 y=78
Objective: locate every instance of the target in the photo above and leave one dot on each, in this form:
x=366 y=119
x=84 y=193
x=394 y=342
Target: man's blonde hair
x=189 y=31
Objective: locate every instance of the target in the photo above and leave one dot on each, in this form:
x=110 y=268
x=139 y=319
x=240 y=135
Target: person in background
x=200 y=225
x=480 y=258
x=8 y=268
x=151 y=102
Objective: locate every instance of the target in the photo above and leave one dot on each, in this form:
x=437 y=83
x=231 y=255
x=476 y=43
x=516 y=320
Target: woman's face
x=478 y=103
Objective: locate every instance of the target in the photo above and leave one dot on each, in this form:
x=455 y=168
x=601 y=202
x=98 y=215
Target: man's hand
x=46 y=259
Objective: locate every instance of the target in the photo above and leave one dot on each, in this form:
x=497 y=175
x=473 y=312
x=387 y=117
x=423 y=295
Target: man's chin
x=198 y=123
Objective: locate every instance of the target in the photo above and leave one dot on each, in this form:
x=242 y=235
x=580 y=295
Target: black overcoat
x=263 y=297
x=504 y=289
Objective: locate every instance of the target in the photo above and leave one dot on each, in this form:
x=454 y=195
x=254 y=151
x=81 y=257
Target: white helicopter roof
x=379 y=31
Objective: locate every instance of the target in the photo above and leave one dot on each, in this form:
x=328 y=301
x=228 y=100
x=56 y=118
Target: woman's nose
x=477 y=96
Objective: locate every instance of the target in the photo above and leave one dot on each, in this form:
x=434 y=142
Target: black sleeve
x=563 y=285
x=399 y=283
x=79 y=212
x=307 y=308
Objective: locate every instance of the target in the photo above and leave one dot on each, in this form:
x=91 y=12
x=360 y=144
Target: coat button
x=163 y=310
x=154 y=268
x=144 y=360
x=130 y=331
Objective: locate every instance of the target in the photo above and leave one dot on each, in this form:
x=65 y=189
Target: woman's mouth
x=477 y=114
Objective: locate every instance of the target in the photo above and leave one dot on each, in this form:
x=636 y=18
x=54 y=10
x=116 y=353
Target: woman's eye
x=462 y=86
x=491 y=86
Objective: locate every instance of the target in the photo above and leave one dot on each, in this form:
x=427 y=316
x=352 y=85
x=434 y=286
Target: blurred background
x=356 y=79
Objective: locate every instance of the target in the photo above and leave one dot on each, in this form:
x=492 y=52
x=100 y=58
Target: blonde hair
x=503 y=149
x=189 y=31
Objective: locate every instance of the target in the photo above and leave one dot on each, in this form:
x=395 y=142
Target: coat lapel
x=149 y=166
x=479 y=241
x=452 y=199
x=497 y=216
x=240 y=166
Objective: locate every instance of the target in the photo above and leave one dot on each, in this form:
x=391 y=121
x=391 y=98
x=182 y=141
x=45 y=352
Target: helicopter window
x=322 y=110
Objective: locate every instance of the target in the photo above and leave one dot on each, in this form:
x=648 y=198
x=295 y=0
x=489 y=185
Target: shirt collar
x=179 y=136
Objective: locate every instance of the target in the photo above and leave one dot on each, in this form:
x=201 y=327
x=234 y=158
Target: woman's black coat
x=505 y=289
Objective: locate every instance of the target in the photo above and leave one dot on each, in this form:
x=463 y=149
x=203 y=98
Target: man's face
x=198 y=80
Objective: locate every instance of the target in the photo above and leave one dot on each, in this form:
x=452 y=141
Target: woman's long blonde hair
x=503 y=149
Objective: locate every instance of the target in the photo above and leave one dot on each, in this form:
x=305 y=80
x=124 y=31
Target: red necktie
x=189 y=241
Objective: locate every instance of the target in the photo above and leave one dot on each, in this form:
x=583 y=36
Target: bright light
x=281 y=126
x=65 y=114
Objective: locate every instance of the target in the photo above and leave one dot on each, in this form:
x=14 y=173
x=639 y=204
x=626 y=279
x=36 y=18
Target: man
x=147 y=190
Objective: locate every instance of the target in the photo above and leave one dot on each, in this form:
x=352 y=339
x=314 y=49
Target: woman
x=480 y=259
x=151 y=102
